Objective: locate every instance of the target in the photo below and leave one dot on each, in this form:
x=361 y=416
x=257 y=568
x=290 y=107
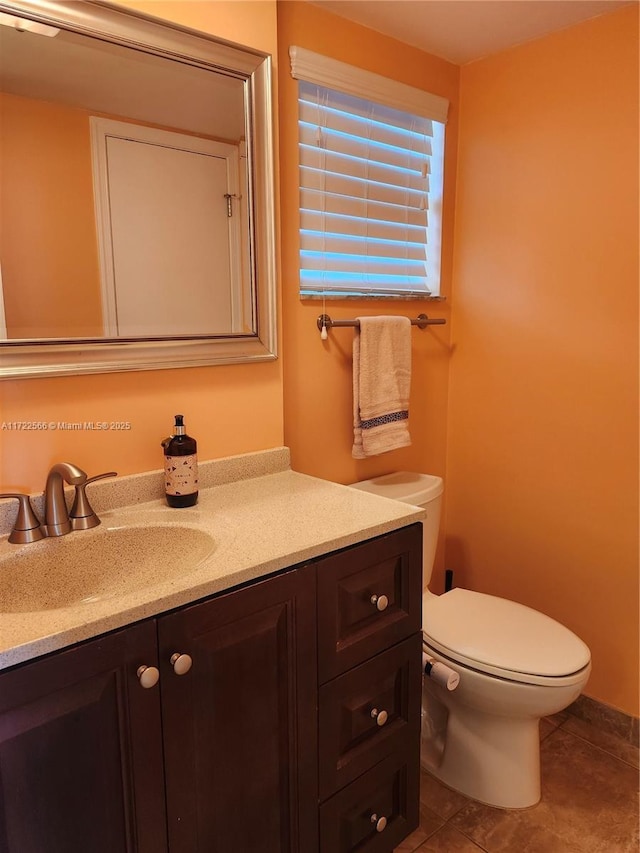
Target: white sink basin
x=88 y=566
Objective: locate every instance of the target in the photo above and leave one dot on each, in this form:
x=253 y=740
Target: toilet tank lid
x=407 y=486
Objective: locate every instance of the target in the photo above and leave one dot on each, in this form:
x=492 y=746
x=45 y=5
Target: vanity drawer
x=351 y=584
x=352 y=736
x=390 y=791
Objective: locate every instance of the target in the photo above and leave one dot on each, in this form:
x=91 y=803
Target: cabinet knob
x=380 y=717
x=148 y=676
x=379 y=822
x=181 y=663
x=381 y=602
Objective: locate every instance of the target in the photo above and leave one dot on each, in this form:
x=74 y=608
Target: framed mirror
x=136 y=194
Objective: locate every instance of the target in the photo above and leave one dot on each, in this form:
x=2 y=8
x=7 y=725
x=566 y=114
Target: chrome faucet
x=56 y=514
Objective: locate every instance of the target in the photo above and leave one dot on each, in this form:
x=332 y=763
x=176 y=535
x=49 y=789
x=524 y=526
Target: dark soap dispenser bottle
x=180 y=466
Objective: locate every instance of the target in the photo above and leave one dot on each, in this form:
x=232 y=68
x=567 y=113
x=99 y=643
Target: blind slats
x=366 y=178
x=317 y=241
x=348 y=284
x=338 y=164
x=414 y=136
x=364 y=264
x=362 y=208
x=363 y=188
x=361 y=108
x=346 y=226
x=329 y=139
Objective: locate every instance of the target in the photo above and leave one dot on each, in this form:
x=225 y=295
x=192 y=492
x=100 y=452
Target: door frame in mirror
x=25 y=359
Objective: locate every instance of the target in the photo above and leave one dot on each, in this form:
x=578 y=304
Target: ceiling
x=91 y=74
x=462 y=31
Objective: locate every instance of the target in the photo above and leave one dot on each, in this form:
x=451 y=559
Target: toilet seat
x=502 y=638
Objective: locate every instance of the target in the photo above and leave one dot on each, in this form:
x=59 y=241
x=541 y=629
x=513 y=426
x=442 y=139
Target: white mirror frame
x=27 y=359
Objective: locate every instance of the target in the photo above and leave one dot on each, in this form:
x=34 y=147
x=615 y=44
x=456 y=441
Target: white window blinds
x=370 y=196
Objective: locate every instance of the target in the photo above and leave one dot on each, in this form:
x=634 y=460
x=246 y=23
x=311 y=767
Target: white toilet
x=515 y=664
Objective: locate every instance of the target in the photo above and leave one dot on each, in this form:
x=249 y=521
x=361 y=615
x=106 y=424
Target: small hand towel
x=381 y=385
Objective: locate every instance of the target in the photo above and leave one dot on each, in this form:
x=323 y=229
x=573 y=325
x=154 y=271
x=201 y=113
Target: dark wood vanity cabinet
x=369 y=668
x=81 y=750
x=285 y=719
x=240 y=727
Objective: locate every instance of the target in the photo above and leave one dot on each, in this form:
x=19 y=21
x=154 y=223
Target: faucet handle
x=82 y=516
x=27 y=527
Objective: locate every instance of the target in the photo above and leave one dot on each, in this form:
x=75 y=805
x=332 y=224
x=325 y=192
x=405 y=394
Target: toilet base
x=492 y=760
x=482 y=739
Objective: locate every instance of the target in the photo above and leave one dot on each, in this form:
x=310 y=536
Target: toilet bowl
x=515 y=664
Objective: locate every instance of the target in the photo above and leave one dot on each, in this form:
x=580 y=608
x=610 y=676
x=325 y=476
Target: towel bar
x=324 y=321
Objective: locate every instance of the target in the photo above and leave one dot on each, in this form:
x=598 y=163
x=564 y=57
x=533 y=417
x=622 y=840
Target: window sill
x=350 y=297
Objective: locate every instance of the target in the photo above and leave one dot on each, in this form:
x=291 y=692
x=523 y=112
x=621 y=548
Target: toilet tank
x=423 y=490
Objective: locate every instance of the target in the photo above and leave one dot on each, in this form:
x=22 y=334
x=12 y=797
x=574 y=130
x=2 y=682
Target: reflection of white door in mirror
x=166 y=219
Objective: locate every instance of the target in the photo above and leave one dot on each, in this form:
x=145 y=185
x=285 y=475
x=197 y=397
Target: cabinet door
x=81 y=751
x=240 y=725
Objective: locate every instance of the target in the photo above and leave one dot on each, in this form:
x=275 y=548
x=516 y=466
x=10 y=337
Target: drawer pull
x=379 y=822
x=380 y=717
x=148 y=676
x=381 y=602
x=181 y=663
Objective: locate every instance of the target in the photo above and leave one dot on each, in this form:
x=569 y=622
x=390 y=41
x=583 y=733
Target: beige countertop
x=264 y=518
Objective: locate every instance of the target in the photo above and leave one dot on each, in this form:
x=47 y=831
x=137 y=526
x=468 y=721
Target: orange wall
x=318 y=376
x=231 y=409
x=246 y=22
x=48 y=236
x=542 y=458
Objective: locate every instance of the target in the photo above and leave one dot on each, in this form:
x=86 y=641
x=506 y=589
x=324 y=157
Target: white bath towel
x=381 y=385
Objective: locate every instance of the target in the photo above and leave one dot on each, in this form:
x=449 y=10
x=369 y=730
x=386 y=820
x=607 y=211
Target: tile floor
x=589 y=802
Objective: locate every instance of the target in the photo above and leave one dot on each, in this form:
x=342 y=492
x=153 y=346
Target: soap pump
x=180 y=466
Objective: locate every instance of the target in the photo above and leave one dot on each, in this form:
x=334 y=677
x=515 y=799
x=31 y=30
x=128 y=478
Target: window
x=371 y=170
